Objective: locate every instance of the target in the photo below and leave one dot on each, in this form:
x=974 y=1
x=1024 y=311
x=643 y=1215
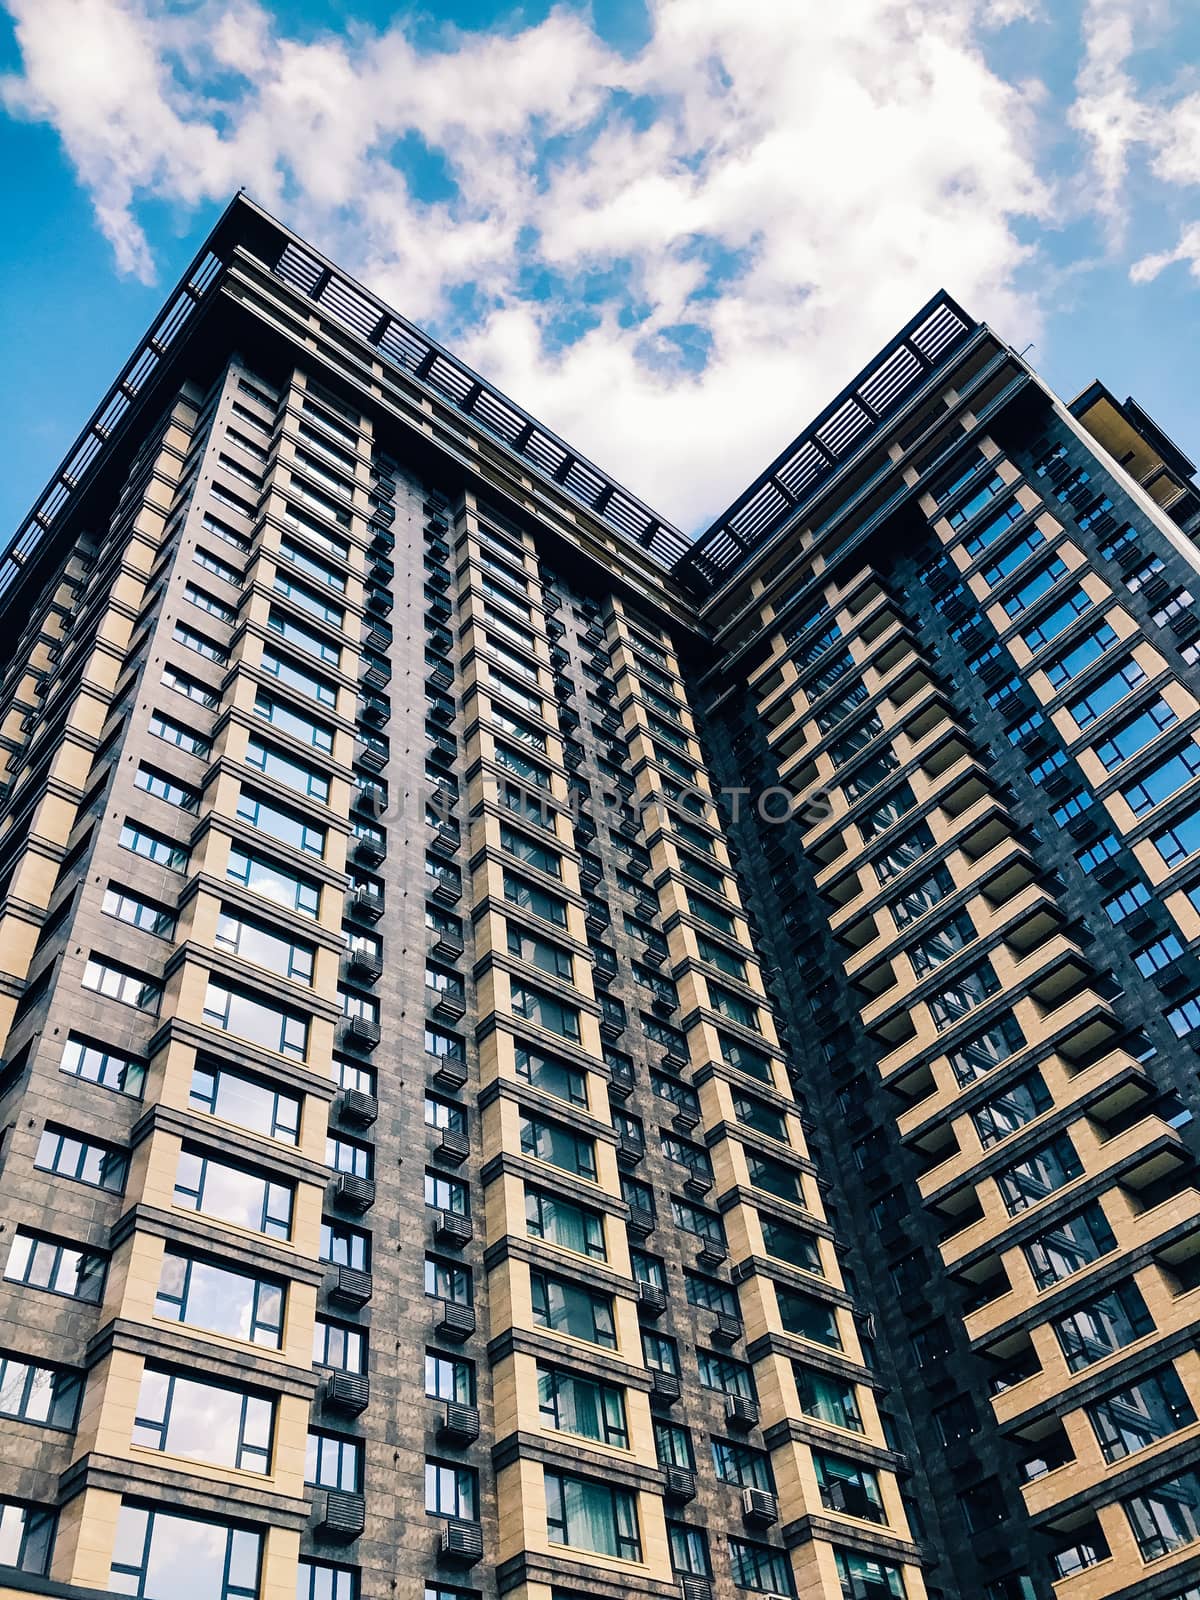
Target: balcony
x=350 y=1288
x=452 y=1230
x=354 y=1108
x=455 y=1322
x=353 y=1193
x=461 y=1543
x=357 y=1033
x=346 y=1393
x=459 y=1424
x=337 y=1515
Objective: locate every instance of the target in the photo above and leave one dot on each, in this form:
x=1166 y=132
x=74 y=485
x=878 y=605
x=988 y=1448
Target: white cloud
x=836 y=163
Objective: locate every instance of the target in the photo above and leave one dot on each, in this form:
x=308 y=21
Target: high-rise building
x=546 y=1060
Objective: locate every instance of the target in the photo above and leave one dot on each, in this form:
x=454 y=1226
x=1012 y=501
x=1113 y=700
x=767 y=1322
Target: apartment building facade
x=543 y=1059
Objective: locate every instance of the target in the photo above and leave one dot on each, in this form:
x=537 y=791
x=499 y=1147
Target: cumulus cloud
x=674 y=257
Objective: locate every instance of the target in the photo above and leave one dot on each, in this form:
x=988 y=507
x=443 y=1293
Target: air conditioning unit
x=460 y=1424
x=350 y=1288
x=452 y=1148
x=461 y=1543
x=452 y=1230
x=740 y=1411
x=456 y=1322
x=665 y=1388
x=727 y=1330
x=352 y=1192
x=679 y=1484
x=652 y=1299
x=759 y=1507
x=695 y=1588
x=640 y=1222
x=338 y=1515
x=347 y=1392
x=357 y=1108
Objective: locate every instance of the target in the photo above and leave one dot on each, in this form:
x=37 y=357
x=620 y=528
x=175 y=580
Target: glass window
x=152 y=780
x=40 y=1262
x=121 y=983
x=249 y=1102
x=451 y=1490
x=345 y=1246
x=272 y=1027
x=1021 y=1103
x=32 y=1393
x=572 y=1309
x=724 y=1374
x=742 y=1465
x=139 y=912
x=1103 y=1325
x=320 y=1580
x=142 y=842
x=1166 y=1517
x=689 y=1550
x=339 y=1345
x=1138 y=1416
x=862 y=1575
x=527 y=895
x=221 y=1300
x=274 y=763
x=295 y=632
x=562 y=1222
x=286 y=719
x=70 y=1155
x=847 y=1487
x=263 y=946
x=274 y=882
x=809 y=1318
x=1039 y=1174
x=757 y=1566
x=297 y=677
x=570 y=1403
x=1070 y=1246
x=558 y=1145
x=1162 y=781
x=547 y=957
x=333 y=1462
x=555 y=1077
x=206 y=1421
x=449 y=1378
x=830 y=1400
x=236 y=1194
x=162 y=1555
x=585 y=1515
x=447 y=1280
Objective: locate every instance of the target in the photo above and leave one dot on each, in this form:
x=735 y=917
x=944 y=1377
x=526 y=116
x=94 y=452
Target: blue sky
x=671 y=228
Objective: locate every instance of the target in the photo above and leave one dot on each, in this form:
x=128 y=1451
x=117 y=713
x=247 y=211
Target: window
x=573 y=1404
x=513 y=761
x=1019 y=1104
x=1089 y=648
x=555 y=1077
x=121 y=983
x=272 y=881
x=1013 y=557
x=30 y=1393
x=312 y=565
x=152 y=780
x=1070 y=1246
x=345 y=1246
x=830 y=1400
x=1162 y=781
x=449 y=1378
x=847 y=1487
x=547 y=906
x=291 y=673
x=1125 y=742
x=788 y=1243
x=903 y=853
x=724 y=1374
x=1126 y=903
x=451 y=1491
x=444 y=1114
x=303 y=638
x=1050 y=625
x=39 y=1262
x=249 y=1102
x=289 y=827
x=1106 y=693
x=558 y=1145
x=660 y=1352
x=742 y=1465
x=1039 y=1174
x=162 y=1555
x=343 y=1154
x=260 y=944
x=1097 y=1328
x=286 y=719
x=164 y=852
x=319 y=1580
x=862 y=1575
x=293 y=774
x=585 y=1515
x=72 y=1156
x=209 y=602
x=221 y=1300
x=1136 y=1417
x=673 y=1445
x=339 y=1345
x=547 y=957
x=206 y=1421
x=689 y=1550
x=447 y=1194
x=308 y=600
x=969 y=990
x=272 y=1027
x=774 y=1177
x=808 y=1317
x=1035 y=586
x=572 y=1309
x=332 y=1461
x=236 y=1194
x=746 y=1058
x=562 y=1222
x=192 y=689
x=761 y=1117
x=1181 y=839
x=692 y=1219
x=447 y=1280
x=757 y=1566
x=685 y=1154
x=1166 y=1517
x=149 y=915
